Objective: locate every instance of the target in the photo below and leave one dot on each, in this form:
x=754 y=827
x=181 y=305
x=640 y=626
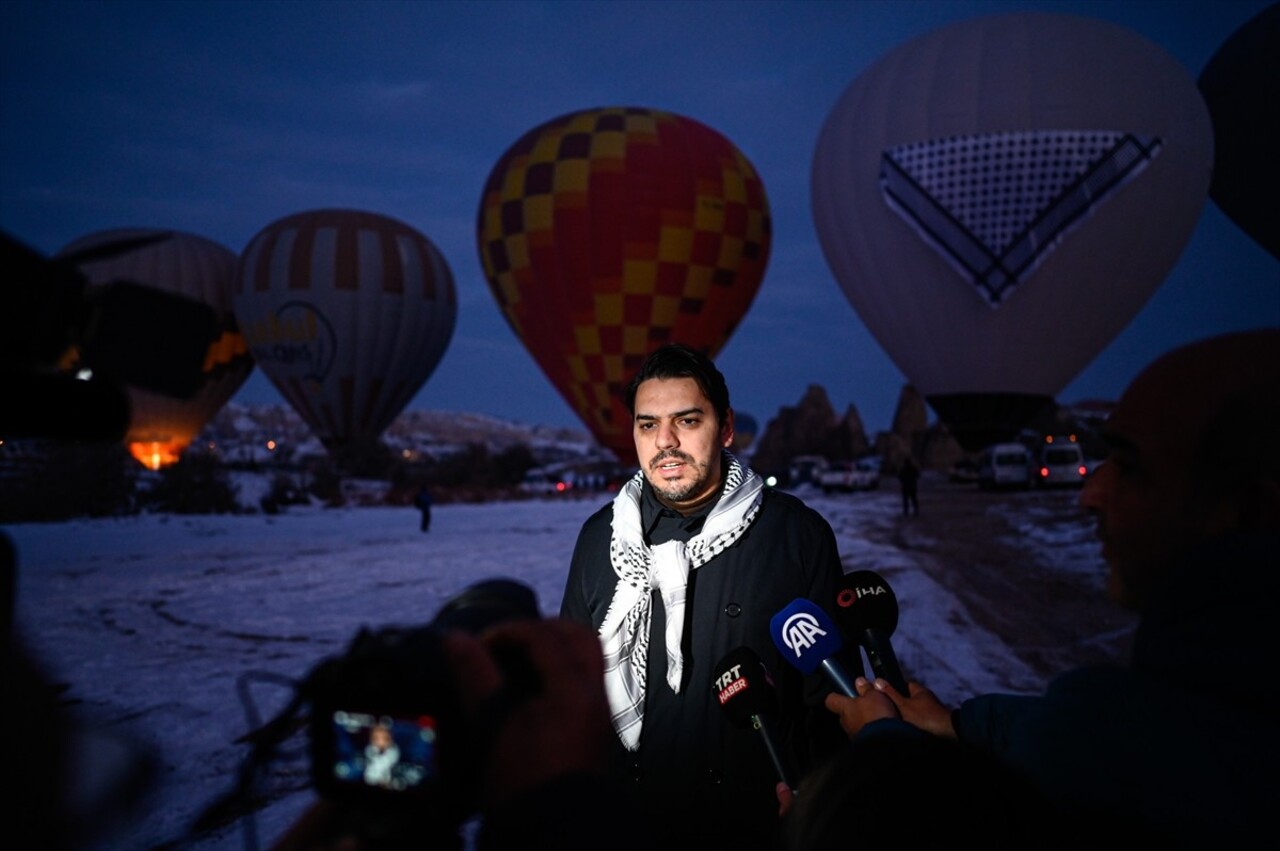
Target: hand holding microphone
x=868 y=612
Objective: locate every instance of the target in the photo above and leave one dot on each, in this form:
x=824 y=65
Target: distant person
x=1179 y=747
x=422 y=499
x=689 y=561
x=909 y=479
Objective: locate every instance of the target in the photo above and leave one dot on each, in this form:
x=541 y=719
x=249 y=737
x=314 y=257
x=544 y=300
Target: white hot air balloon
x=348 y=313
x=998 y=199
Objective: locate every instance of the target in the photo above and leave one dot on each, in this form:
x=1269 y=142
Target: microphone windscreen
x=805 y=634
x=742 y=686
x=864 y=602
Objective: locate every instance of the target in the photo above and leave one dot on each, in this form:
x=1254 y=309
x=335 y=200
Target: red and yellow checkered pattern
x=607 y=232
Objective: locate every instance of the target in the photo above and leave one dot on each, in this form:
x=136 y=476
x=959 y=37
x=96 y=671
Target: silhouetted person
x=422 y=499
x=1179 y=747
x=909 y=478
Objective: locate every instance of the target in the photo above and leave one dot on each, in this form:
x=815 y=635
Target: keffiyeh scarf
x=665 y=568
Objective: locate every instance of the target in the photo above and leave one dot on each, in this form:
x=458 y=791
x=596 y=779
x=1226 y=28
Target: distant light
x=84 y=374
x=271 y=446
x=771 y=481
x=1048 y=438
x=1083 y=470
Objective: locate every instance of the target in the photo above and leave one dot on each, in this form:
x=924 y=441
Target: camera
x=386 y=733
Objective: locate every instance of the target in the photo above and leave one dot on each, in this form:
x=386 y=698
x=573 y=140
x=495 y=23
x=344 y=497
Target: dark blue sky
x=217 y=118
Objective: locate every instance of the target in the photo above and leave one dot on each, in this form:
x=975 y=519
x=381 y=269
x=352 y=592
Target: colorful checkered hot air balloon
x=162 y=427
x=348 y=313
x=607 y=232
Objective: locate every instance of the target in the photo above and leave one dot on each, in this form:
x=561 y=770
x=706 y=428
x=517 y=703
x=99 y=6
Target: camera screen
x=383 y=751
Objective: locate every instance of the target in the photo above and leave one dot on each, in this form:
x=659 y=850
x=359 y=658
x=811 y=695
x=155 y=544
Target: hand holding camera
x=414 y=731
x=541 y=685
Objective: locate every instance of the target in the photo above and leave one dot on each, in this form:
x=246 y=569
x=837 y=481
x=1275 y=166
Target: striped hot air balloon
x=607 y=232
x=348 y=313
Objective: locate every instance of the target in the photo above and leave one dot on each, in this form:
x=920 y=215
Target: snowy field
x=158 y=623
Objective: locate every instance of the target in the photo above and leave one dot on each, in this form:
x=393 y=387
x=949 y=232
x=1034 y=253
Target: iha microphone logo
x=801 y=631
x=848 y=596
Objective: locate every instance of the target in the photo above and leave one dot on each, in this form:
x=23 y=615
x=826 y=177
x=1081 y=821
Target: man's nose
x=666 y=436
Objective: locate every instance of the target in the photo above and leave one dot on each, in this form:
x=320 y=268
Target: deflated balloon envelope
x=607 y=232
x=162 y=426
x=348 y=313
x=1000 y=197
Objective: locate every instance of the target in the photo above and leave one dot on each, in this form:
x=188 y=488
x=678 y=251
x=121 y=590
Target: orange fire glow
x=154 y=454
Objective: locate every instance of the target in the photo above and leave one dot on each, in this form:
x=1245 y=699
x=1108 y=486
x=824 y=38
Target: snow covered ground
x=156 y=623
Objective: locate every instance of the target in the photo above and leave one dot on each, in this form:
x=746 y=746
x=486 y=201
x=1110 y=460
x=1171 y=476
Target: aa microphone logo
x=801 y=632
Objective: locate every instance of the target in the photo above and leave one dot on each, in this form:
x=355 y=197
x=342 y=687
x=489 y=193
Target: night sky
x=217 y=118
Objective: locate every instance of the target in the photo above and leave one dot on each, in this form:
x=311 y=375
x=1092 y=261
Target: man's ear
x=726 y=430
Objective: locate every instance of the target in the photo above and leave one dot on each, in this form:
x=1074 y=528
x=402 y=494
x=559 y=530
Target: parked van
x=1060 y=463
x=1004 y=466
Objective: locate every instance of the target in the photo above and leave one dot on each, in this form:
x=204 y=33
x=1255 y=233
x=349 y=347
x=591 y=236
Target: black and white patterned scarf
x=664 y=568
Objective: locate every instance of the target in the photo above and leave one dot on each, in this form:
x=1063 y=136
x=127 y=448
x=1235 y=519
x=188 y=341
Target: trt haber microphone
x=808 y=638
x=868 y=611
x=745 y=691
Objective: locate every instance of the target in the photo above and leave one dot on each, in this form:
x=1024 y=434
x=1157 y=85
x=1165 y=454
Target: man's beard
x=677 y=491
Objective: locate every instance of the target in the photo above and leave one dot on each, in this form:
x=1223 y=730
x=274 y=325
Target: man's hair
x=674 y=360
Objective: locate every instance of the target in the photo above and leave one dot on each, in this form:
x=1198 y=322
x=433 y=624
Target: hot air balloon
x=1241 y=87
x=162 y=426
x=607 y=232
x=347 y=313
x=998 y=198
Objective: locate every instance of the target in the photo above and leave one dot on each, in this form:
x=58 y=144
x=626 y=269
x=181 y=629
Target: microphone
x=808 y=639
x=868 y=610
x=745 y=691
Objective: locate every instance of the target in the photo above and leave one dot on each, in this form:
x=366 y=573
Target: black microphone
x=808 y=639
x=745 y=691
x=868 y=611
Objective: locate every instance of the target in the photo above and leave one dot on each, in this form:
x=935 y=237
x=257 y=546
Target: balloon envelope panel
x=607 y=232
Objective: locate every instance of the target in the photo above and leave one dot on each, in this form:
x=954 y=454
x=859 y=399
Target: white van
x=1004 y=466
x=1060 y=463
